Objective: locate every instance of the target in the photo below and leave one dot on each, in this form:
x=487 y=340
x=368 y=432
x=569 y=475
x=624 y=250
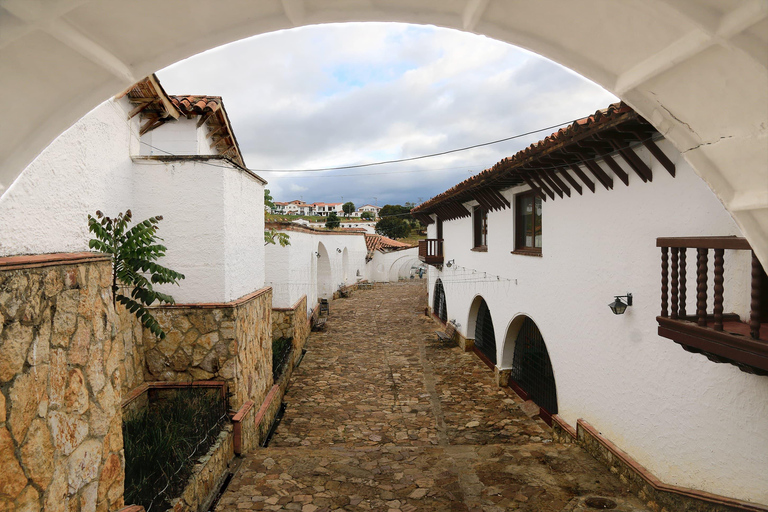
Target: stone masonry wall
x=60 y=385
x=129 y=329
x=292 y=323
x=227 y=341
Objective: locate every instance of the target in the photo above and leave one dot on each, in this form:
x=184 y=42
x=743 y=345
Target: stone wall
x=60 y=385
x=292 y=323
x=130 y=331
x=226 y=341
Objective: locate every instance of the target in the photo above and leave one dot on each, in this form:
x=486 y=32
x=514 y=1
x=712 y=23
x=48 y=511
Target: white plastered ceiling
x=696 y=69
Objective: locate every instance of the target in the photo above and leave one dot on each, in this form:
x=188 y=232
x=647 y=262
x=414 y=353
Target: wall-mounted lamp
x=338 y=250
x=618 y=306
x=450 y=263
x=317 y=254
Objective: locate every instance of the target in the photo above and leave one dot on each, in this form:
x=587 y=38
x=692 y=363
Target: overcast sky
x=333 y=95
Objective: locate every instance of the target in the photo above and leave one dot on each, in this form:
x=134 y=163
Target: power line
x=431 y=155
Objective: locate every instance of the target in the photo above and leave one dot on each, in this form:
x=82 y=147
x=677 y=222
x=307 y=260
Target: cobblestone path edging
x=382 y=416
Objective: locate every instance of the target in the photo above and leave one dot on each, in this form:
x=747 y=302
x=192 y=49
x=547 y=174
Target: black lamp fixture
x=450 y=263
x=317 y=254
x=618 y=306
x=338 y=250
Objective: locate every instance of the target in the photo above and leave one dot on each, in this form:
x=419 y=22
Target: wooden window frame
x=479 y=229
x=520 y=247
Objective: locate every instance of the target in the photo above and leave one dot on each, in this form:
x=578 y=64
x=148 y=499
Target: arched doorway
x=485 y=337
x=324 y=284
x=532 y=368
x=438 y=302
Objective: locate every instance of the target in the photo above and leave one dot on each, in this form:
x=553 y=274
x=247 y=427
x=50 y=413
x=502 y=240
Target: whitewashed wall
x=213 y=214
x=87 y=168
x=690 y=421
x=384 y=263
x=293 y=271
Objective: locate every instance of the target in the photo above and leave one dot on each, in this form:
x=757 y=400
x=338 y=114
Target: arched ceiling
x=696 y=69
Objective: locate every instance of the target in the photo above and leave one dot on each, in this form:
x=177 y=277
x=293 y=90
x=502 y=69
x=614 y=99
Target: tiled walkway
x=381 y=416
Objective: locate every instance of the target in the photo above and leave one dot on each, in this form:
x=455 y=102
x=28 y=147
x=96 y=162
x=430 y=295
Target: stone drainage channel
x=382 y=416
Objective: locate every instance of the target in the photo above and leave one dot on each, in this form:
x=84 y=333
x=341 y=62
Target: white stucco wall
x=87 y=168
x=295 y=270
x=384 y=263
x=690 y=421
x=213 y=214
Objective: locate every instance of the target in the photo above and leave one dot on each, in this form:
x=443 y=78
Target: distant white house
x=368 y=208
x=325 y=209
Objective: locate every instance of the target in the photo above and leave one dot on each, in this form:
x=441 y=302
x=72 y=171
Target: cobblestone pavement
x=382 y=416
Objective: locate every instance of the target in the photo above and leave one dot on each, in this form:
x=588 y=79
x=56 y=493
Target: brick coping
x=52 y=259
x=217 y=305
x=291 y=308
x=289 y=226
x=658 y=485
x=162 y=384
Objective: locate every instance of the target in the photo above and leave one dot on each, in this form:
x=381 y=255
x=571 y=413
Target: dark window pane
x=537 y=221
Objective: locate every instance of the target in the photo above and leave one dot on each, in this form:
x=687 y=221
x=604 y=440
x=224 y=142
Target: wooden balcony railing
x=431 y=251
x=722 y=337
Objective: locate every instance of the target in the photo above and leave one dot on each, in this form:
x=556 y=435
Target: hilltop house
x=670 y=383
x=325 y=209
x=368 y=208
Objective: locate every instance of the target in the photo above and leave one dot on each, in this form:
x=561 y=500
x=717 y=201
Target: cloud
x=340 y=94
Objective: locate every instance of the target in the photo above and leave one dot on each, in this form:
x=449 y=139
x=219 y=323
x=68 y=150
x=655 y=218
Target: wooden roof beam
x=599 y=173
x=617 y=170
x=660 y=156
x=553 y=176
x=137 y=109
x=543 y=186
x=542 y=176
x=583 y=177
x=534 y=187
x=635 y=163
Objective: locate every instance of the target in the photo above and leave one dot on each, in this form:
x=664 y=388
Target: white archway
x=697 y=71
x=324 y=277
x=400 y=268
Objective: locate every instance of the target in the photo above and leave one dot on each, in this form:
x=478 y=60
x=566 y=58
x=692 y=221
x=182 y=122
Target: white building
x=527 y=255
x=295 y=207
x=155 y=154
x=325 y=209
x=368 y=208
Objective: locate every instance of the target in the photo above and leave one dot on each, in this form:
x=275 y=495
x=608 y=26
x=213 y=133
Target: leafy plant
x=332 y=221
x=163 y=442
x=269 y=204
x=134 y=252
x=348 y=208
x=271 y=236
x=393 y=227
x=367 y=216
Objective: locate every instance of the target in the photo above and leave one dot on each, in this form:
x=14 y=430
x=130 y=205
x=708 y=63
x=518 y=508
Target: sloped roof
x=555 y=153
x=380 y=242
x=158 y=107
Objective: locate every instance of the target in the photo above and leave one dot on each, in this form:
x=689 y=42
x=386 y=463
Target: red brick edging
x=159 y=384
x=50 y=260
x=291 y=308
x=237 y=424
x=217 y=305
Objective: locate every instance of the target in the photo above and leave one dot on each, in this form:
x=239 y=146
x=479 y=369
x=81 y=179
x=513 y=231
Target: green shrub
x=163 y=442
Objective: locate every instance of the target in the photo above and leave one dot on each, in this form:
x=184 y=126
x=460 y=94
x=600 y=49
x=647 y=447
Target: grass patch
x=281 y=354
x=163 y=442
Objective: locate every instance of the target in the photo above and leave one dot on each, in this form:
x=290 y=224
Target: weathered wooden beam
x=542 y=176
x=635 y=163
x=534 y=187
x=137 y=109
x=575 y=184
x=583 y=177
x=553 y=176
x=543 y=186
x=599 y=173
x=660 y=156
x=617 y=170
x=203 y=119
x=152 y=123
x=215 y=131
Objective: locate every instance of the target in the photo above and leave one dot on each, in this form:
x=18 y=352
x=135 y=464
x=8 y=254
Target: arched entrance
x=60 y=62
x=532 y=368
x=438 y=302
x=485 y=337
x=324 y=284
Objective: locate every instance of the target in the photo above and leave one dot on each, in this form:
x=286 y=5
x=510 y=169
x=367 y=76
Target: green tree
x=367 y=216
x=348 y=208
x=268 y=202
x=393 y=227
x=134 y=252
x=389 y=210
x=272 y=236
x=332 y=221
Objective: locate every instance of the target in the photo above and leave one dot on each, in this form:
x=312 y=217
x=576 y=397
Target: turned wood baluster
x=664 y=281
x=718 y=311
x=701 y=287
x=674 y=283
x=754 y=313
x=682 y=283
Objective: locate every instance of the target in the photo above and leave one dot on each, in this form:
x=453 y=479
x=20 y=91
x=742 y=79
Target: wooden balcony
x=722 y=337
x=431 y=251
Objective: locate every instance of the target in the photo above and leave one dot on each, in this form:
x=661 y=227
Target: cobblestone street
x=381 y=416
